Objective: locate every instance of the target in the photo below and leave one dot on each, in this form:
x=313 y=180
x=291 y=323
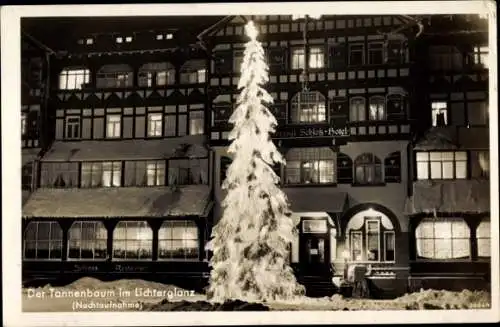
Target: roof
x=188 y=146
x=463 y=196
x=453 y=138
x=192 y=200
x=315 y=199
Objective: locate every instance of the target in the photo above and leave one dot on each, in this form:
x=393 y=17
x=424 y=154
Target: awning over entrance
x=454 y=196
x=188 y=146
x=316 y=199
x=193 y=200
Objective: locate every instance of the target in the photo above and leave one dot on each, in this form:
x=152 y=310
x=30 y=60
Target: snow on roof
x=464 y=196
x=187 y=146
x=454 y=137
x=439 y=138
x=309 y=200
x=118 y=202
x=29 y=155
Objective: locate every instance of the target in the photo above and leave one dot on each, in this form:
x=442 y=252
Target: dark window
x=277 y=59
x=395 y=52
x=344 y=169
x=223 y=62
x=392 y=166
x=367 y=169
x=396 y=106
x=375 y=53
x=187 y=171
x=43 y=240
x=27 y=176
x=59 y=174
x=224 y=165
x=156 y=74
x=115 y=76
x=337 y=56
x=356 y=54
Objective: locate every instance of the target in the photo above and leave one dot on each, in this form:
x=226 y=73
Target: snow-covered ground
x=137 y=295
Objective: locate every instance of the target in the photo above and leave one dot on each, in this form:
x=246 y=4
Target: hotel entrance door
x=315 y=247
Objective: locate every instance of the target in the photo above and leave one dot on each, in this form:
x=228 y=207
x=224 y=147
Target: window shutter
x=277 y=58
x=393 y=52
x=339 y=112
x=392 y=166
x=223 y=62
x=344 y=169
x=337 y=56
x=396 y=106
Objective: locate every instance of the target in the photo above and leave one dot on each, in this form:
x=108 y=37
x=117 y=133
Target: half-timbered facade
x=342 y=92
x=449 y=208
x=126 y=179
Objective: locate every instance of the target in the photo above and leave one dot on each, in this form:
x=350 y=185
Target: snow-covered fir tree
x=251 y=242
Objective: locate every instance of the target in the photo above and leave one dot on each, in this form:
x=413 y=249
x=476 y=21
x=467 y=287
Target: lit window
x=178 y=240
x=113 y=126
x=73 y=79
x=87 y=240
x=357 y=109
x=308 y=107
x=356 y=54
x=23 y=123
x=439 y=113
x=201 y=75
x=155 y=124
x=377 y=108
x=72 y=128
x=316 y=57
x=483 y=235
x=481 y=56
x=298 y=59
x=310 y=166
x=159 y=36
x=372 y=240
x=43 y=240
x=133 y=240
x=128 y=39
x=89 y=41
x=155 y=172
x=440 y=238
x=169 y=36
x=368 y=169
x=101 y=174
x=441 y=165
x=196 y=122
x=119 y=39
x=375 y=53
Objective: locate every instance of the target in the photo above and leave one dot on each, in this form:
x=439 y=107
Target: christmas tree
x=251 y=242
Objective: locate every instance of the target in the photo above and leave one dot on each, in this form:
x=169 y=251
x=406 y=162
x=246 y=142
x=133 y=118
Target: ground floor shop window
x=443 y=238
x=132 y=240
x=178 y=240
x=43 y=240
x=87 y=240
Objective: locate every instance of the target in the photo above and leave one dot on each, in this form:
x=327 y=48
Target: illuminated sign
x=306 y=132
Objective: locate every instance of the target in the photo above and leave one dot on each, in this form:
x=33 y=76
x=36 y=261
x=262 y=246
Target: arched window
x=357 y=109
x=115 y=76
x=367 y=169
x=178 y=240
x=156 y=74
x=443 y=238
x=132 y=240
x=43 y=240
x=371 y=237
x=308 y=107
x=193 y=72
x=310 y=166
x=73 y=78
x=483 y=235
x=377 y=108
x=87 y=240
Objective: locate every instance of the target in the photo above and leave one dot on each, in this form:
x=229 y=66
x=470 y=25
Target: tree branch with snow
x=251 y=242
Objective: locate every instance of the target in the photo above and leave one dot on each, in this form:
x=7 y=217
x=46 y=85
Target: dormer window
x=167 y=36
x=89 y=41
x=128 y=39
x=119 y=39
